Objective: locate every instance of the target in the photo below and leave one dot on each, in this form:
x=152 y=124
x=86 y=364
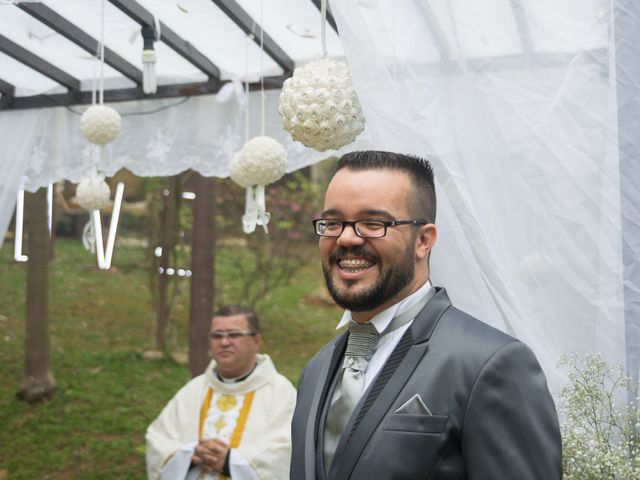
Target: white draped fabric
x=158 y=137
x=515 y=103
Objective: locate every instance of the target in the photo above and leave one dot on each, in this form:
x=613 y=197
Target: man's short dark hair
x=423 y=199
x=232 y=310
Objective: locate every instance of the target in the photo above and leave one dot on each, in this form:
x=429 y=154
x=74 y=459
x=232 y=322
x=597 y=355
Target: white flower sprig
x=599 y=430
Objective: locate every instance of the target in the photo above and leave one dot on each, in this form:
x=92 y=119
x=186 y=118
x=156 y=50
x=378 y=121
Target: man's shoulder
x=470 y=339
x=441 y=314
x=464 y=322
x=192 y=389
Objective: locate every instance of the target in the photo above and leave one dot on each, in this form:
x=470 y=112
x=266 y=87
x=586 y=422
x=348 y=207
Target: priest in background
x=233 y=421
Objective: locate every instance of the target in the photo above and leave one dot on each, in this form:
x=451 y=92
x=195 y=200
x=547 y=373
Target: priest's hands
x=211 y=454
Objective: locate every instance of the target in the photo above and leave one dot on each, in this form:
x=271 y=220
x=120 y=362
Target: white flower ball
x=319 y=106
x=261 y=161
x=100 y=124
x=93 y=193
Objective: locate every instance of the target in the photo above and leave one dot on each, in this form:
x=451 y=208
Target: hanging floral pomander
x=100 y=124
x=93 y=193
x=261 y=161
x=319 y=106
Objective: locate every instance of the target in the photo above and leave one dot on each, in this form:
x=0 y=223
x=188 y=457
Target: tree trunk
x=38 y=382
x=167 y=243
x=202 y=268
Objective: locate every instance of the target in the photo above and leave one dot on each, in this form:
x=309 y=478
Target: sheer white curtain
x=515 y=103
x=158 y=138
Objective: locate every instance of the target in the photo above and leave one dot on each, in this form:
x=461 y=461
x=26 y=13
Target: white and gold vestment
x=253 y=416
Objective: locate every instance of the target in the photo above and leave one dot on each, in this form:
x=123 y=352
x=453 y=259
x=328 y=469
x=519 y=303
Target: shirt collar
x=382 y=320
x=234 y=379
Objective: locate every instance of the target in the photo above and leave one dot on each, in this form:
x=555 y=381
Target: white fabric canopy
x=529 y=111
x=515 y=103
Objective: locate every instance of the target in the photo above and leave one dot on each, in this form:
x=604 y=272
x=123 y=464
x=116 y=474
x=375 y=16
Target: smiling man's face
x=367 y=275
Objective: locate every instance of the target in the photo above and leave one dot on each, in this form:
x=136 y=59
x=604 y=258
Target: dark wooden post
x=38 y=382
x=202 y=268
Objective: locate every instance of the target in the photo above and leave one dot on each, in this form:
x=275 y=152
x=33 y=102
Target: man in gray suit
x=415 y=388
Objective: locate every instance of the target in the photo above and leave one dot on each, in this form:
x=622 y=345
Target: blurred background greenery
x=102 y=323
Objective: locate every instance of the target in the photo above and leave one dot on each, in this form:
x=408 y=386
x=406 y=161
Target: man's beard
x=391 y=281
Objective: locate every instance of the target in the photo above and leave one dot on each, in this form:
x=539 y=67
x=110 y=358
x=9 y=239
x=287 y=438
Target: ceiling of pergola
x=49 y=49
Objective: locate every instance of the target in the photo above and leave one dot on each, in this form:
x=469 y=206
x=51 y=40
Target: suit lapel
x=314 y=433
x=388 y=384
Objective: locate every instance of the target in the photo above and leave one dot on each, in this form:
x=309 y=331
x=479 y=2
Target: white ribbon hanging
x=255 y=210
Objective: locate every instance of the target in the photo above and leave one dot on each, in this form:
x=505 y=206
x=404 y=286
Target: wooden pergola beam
x=69 y=30
x=185 y=49
x=33 y=61
x=8 y=91
x=248 y=25
x=128 y=94
x=330 y=20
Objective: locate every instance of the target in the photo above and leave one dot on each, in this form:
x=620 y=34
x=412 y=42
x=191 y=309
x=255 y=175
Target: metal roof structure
x=49 y=50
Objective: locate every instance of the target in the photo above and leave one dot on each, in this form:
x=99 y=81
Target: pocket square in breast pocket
x=413 y=406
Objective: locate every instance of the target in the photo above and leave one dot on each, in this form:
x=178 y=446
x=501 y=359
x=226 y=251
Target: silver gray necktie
x=349 y=388
x=360 y=346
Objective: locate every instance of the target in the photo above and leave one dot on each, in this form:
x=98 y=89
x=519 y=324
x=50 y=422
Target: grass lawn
x=100 y=323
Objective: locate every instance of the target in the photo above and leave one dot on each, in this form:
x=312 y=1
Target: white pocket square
x=413 y=406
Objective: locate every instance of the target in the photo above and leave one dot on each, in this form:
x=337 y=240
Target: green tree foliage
x=265 y=261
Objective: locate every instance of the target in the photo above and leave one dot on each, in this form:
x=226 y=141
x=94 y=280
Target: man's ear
x=425 y=240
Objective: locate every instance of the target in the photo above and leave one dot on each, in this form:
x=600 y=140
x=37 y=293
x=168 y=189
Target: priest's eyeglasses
x=232 y=334
x=363 y=228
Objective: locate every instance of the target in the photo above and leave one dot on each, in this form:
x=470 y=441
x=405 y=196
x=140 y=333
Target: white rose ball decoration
x=261 y=161
x=100 y=124
x=93 y=193
x=319 y=106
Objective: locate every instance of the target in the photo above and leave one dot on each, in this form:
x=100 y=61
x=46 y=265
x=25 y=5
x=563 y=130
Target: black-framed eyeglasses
x=363 y=228
x=232 y=334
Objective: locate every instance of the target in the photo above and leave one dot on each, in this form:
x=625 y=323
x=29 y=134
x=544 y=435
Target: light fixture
x=149 y=36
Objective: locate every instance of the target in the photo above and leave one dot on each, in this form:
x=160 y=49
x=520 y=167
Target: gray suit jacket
x=492 y=414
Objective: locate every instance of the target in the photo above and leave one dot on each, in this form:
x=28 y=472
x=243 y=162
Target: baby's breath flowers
x=600 y=427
